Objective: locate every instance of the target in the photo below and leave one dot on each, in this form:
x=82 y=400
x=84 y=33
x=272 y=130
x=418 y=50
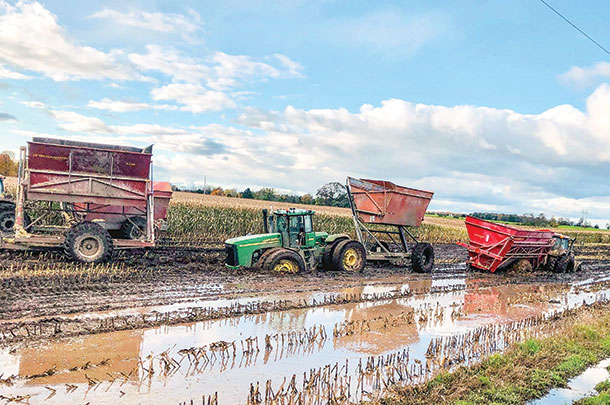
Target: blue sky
x=494 y=105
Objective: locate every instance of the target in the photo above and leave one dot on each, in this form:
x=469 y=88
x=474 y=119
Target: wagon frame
x=79 y=181
x=381 y=208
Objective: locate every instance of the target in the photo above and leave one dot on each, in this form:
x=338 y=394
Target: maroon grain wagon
x=383 y=208
x=494 y=246
x=96 y=189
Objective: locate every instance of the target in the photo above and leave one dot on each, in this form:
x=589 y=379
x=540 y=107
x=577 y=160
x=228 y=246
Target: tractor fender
x=337 y=236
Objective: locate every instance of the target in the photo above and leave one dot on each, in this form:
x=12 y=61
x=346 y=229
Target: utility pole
x=205 y=184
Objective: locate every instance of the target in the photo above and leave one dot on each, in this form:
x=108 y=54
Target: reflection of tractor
x=82 y=193
x=495 y=246
x=291 y=245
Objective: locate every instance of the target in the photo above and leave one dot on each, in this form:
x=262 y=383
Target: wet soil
x=174 y=280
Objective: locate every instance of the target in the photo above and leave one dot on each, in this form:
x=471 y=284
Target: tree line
x=332 y=194
x=539 y=220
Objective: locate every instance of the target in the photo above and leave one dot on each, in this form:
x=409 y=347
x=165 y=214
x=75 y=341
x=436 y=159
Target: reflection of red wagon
x=382 y=207
x=95 y=189
x=494 y=246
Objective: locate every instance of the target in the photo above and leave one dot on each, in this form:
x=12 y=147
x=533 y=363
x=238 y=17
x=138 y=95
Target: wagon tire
x=422 y=258
x=285 y=261
x=327 y=257
x=261 y=263
x=7 y=219
x=349 y=256
x=133 y=228
x=88 y=242
x=565 y=264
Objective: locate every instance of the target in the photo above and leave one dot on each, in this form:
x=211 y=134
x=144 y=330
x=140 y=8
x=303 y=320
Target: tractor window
x=561 y=243
x=308 y=224
x=296 y=224
x=281 y=224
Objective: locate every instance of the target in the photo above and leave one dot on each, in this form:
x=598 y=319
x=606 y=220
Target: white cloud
x=74 y=122
x=32 y=40
x=193 y=97
x=209 y=84
x=171 y=23
x=9 y=74
x=582 y=77
x=127 y=106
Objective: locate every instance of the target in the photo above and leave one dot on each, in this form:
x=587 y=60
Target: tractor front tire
x=349 y=255
x=551 y=262
x=261 y=263
x=88 y=242
x=422 y=258
x=133 y=228
x=285 y=261
x=565 y=264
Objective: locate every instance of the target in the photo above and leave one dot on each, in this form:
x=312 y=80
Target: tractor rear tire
x=261 y=263
x=565 y=264
x=327 y=257
x=87 y=242
x=7 y=219
x=350 y=256
x=422 y=258
x=133 y=228
x=285 y=261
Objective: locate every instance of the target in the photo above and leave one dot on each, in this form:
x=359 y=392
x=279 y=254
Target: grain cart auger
x=289 y=244
x=382 y=213
x=84 y=192
x=494 y=246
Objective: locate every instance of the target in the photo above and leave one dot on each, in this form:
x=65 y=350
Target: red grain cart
x=380 y=207
x=96 y=189
x=494 y=246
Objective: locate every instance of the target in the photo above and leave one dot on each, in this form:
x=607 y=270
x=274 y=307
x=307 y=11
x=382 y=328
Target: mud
x=170 y=325
x=417 y=334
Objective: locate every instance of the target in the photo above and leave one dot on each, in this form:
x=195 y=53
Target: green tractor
x=290 y=245
x=561 y=258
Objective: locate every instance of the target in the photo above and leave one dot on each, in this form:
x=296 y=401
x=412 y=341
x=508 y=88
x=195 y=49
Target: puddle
x=104 y=368
x=578 y=387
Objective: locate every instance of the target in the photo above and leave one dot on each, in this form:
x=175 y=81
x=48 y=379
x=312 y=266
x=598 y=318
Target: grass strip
x=526 y=371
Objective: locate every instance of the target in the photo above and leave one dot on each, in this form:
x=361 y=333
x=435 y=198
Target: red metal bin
x=383 y=202
x=493 y=245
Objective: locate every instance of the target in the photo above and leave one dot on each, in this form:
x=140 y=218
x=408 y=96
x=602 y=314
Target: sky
x=494 y=105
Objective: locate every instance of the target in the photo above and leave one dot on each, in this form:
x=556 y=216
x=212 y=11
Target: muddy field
x=171 y=325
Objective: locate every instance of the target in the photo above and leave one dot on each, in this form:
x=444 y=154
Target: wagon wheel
x=285 y=261
x=134 y=228
x=422 y=257
x=7 y=219
x=88 y=242
x=349 y=255
x=522 y=266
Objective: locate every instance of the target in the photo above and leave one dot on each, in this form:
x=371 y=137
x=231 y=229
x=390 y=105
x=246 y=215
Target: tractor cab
x=562 y=243
x=294 y=225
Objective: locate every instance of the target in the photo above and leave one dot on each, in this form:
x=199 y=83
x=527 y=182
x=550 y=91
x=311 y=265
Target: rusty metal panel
x=383 y=202
x=162 y=193
x=100 y=174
